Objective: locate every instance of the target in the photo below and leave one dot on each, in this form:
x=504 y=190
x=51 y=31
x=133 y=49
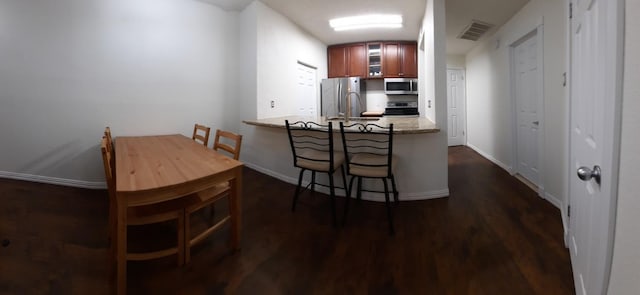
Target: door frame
x=538 y=30
x=612 y=120
x=464 y=101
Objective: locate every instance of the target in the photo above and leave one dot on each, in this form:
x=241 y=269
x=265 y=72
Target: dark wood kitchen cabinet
x=383 y=59
x=348 y=60
x=400 y=60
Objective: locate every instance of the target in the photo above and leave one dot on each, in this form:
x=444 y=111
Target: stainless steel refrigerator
x=336 y=91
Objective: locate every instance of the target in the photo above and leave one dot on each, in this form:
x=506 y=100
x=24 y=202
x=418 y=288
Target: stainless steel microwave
x=401 y=86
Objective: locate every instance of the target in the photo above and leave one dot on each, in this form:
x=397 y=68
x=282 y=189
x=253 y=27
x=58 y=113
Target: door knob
x=586 y=174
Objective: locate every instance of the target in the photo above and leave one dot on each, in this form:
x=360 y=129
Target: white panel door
x=594 y=96
x=456 y=104
x=306 y=100
x=525 y=59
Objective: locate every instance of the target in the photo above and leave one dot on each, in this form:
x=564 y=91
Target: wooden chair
x=110 y=151
x=201 y=133
x=107 y=134
x=368 y=150
x=222 y=141
x=230 y=143
x=313 y=149
x=147 y=214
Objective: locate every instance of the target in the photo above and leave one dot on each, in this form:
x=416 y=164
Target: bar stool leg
x=395 y=191
x=344 y=181
x=359 y=193
x=333 y=199
x=313 y=181
x=297 y=193
x=387 y=202
x=346 y=204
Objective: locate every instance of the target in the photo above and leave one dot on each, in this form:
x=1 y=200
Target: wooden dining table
x=152 y=169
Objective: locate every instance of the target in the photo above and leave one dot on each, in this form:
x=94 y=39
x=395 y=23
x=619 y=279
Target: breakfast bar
x=415 y=144
x=401 y=125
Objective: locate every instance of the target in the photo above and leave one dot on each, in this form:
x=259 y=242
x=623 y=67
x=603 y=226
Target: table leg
x=236 y=211
x=121 y=249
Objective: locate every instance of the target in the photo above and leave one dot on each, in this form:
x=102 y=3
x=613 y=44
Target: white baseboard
x=272 y=173
x=565 y=225
x=563 y=212
x=490 y=158
x=553 y=200
x=54 y=180
x=378 y=197
x=291 y=180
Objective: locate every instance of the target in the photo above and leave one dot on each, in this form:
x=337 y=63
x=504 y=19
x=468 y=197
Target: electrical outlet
x=273 y=104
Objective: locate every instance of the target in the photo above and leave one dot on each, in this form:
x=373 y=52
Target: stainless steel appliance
x=402 y=108
x=343 y=97
x=401 y=86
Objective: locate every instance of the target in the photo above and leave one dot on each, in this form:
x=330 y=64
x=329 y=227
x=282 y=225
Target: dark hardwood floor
x=493 y=235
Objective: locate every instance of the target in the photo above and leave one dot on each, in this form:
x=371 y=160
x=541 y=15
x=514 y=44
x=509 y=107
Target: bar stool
x=313 y=149
x=368 y=150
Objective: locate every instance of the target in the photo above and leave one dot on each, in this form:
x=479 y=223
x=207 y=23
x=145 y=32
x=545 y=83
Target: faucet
x=347 y=113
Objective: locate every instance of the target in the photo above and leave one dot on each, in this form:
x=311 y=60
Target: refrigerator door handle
x=338 y=91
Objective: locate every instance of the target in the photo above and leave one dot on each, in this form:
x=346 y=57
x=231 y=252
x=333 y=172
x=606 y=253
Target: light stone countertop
x=401 y=125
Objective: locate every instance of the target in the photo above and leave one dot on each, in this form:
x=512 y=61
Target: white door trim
x=564 y=209
x=514 y=119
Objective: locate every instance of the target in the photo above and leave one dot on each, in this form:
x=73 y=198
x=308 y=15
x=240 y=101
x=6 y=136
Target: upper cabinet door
x=337 y=61
x=358 y=60
x=400 y=60
x=409 y=60
x=374 y=60
x=347 y=60
x=391 y=60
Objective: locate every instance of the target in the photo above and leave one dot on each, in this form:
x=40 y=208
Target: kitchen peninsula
x=414 y=139
x=401 y=125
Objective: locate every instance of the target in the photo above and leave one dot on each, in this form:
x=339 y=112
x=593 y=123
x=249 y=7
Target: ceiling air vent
x=474 y=30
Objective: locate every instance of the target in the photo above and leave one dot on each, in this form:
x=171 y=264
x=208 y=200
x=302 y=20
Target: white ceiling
x=313 y=16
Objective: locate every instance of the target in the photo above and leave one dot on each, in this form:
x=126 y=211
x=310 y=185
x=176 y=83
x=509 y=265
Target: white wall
x=435 y=65
x=376 y=98
x=271 y=48
x=626 y=257
x=247 y=60
x=489 y=103
x=281 y=44
x=70 y=68
x=435 y=86
x=426 y=65
x=456 y=61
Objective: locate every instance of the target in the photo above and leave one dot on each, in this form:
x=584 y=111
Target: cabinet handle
x=400 y=74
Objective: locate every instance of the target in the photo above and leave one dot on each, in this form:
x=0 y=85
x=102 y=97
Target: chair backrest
x=367 y=139
x=109 y=167
x=107 y=134
x=308 y=138
x=201 y=133
x=224 y=140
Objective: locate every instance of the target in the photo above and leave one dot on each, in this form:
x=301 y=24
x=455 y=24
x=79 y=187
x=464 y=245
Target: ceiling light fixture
x=366 y=21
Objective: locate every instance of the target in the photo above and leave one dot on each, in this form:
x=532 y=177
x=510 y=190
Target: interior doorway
x=307 y=90
x=526 y=57
x=456 y=104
